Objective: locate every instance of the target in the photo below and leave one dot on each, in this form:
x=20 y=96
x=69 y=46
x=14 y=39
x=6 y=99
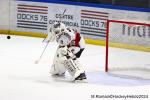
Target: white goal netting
x=127 y=60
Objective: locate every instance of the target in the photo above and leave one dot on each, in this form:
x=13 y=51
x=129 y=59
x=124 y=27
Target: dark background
x=127 y=3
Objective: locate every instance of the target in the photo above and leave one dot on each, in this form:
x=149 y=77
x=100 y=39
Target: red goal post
x=130 y=24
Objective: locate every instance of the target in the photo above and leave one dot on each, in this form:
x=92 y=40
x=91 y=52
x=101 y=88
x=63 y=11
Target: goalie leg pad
x=57 y=70
x=73 y=68
x=57 y=67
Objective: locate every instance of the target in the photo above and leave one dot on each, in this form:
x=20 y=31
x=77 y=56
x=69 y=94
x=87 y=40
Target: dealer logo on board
x=32 y=16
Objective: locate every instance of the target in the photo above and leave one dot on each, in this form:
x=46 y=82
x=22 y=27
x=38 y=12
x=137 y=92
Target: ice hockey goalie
x=71 y=46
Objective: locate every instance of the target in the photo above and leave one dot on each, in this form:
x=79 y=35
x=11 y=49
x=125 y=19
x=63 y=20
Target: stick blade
x=36 y=62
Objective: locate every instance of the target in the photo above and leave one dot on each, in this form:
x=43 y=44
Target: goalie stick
x=62 y=14
x=37 y=61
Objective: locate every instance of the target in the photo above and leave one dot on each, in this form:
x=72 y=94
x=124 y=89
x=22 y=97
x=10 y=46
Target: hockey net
x=132 y=36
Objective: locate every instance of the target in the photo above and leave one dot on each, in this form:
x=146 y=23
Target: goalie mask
x=64 y=39
x=58 y=28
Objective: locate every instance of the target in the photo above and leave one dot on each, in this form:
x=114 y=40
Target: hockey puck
x=8 y=37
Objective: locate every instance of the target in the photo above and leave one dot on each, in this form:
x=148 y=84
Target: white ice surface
x=22 y=79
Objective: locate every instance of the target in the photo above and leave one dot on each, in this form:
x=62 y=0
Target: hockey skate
x=81 y=78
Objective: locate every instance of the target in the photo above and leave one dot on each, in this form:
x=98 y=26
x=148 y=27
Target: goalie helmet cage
x=107 y=69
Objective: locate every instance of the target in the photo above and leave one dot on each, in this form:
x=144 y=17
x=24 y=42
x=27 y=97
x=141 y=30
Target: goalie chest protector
x=64 y=39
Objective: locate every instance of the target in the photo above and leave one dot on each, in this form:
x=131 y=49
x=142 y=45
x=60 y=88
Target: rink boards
x=34 y=18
